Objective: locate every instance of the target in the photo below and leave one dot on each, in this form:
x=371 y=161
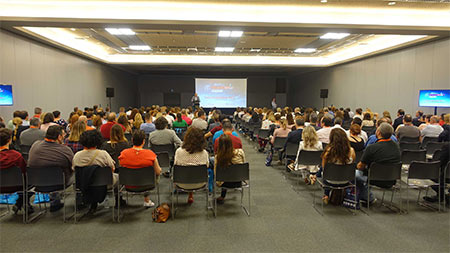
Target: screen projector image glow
x=6 y=96
x=434 y=98
x=221 y=93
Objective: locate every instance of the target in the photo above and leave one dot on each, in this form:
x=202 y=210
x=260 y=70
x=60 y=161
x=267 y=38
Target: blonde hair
x=76 y=130
x=309 y=137
x=17 y=121
x=138 y=120
x=283 y=124
x=447 y=118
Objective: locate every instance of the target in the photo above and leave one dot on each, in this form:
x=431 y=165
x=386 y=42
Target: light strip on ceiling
x=105 y=11
x=374 y=44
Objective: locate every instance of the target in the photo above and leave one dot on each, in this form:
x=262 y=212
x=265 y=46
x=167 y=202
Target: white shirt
x=324 y=134
x=169 y=119
x=362 y=135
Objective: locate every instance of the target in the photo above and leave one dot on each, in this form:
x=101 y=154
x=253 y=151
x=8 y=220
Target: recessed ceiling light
x=391 y=3
x=120 y=31
x=236 y=34
x=323 y=1
x=140 y=47
x=224 y=49
x=334 y=36
x=73 y=29
x=305 y=50
x=255 y=49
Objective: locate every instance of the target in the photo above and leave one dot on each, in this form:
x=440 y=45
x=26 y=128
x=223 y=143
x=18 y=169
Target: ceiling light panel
x=224 y=33
x=224 y=49
x=120 y=31
x=305 y=50
x=233 y=34
x=334 y=36
x=140 y=47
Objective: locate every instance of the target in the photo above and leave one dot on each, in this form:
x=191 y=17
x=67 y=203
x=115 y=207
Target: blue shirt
x=147 y=127
x=373 y=138
x=219 y=133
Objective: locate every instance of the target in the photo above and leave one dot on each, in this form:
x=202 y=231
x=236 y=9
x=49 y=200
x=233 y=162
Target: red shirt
x=215 y=129
x=105 y=129
x=134 y=159
x=11 y=158
x=237 y=143
x=187 y=119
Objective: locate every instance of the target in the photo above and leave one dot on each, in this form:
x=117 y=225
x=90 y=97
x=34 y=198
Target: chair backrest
x=190 y=174
x=180 y=131
x=433 y=146
x=100 y=177
x=291 y=149
x=428 y=139
x=129 y=137
x=337 y=172
x=447 y=171
x=409 y=145
x=45 y=176
x=233 y=173
x=424 y=170
x=409 y=139
x=137 y=177
x=309 y=157
x=11 y=177
x=146 y=142
x=25 y=149
x=409 y=156
x=263 y=133
x=385 y=171
x=358 y=155
x=279 y=142
x=169 y=148
x=436 y=155
x=324 y=145
x=367 y=129
x=163 y=159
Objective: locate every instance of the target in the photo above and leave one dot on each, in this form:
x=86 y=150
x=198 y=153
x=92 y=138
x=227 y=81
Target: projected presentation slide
x=221 y=93
x=434 y=98
x=6 y=96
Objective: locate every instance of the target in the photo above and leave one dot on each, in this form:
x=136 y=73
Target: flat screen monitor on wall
x=221 y=92
x=6 y=95
x=434 y=98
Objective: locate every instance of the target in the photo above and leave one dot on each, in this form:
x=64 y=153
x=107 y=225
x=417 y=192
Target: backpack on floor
x=336 y=197
x=269 y=158
x=349 y=199
x=161 y=213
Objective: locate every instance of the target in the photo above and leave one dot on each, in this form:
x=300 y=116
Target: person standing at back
x=195 y=100
x=274 y=104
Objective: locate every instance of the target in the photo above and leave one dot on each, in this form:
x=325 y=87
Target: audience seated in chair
x=105 y=129
x=91 y=156
x=310 y=142
x=192 y=153
x=147 y=126
x=324 y=133
x=226 y=155
x=73 y=141
x=227 y=129
x=137 y=157
x=162 y=135
x=338 y=151
x=116 y=144
x=200 y=121
x=433 y=129
x=373 y=138
x=407 y=129
x=50 y=152
x=32 y=134
x=385 y=150
x=356 y=142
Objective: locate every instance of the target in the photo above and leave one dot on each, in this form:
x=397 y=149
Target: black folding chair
x=12 y=177
x=335 y=172
x=408 y=156
x=24 y=150
x=409 y=139
x=189 y=175
x=423 y=171
x=45 y=178
x=180 y=131
x=233 y=173
x=368 y=129
x=309 y=158
x=433 y=146
x=169 y=148
x=103 y=176
x=143 y=179
x=263 y=133
x=278 y=145
x=291 y=150
x=436 y=155
x=446 y=180
x=146 y=145
x=409 y=145
x=358 y=156
x=384 y=172
x=129 y=137
x=428 y=139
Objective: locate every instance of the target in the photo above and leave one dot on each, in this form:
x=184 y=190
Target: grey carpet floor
x=282 y=220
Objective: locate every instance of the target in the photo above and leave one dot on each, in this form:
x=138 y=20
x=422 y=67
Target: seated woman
x=162 y=135
x=73 y=141
x=138 y=157
x=356 y=142
x=122 y=120
x=267 y=124
x=280 y=132
x=192 y=153
x=367 y=120
x=309 y=142
x=180 y=122
x=116 y=144
x=225 y=156
x=47 y=121
x=338 y=151
x=91 y=156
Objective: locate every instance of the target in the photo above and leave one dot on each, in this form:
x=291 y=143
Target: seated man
x=91 y=156
x=148 y=126
x=32 y=134
x=138 y=157
x=50 y=152
x=373 y=137
x=385 y=150
x=200 y=121
x=324 y=133
x=8 y=159
x=220 y=132
x=407 y=129
x=227 y=128
x=433 y=129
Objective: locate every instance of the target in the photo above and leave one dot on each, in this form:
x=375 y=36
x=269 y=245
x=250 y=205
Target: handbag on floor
x=269 y=158
x=349 y=199
x=40 y=198
x=161 y=213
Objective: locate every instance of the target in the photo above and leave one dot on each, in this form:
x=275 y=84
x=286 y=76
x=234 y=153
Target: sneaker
x=325 y=199
x=166 y=174
x=190 y=199
x=149 y=204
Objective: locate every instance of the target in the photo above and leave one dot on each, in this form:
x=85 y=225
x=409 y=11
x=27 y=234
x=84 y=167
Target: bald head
x=111 y=117
x=385 y=131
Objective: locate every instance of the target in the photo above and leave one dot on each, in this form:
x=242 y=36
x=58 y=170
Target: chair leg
x=249 y=205
x=214 y=201
x=173 y=204
x=113 y=212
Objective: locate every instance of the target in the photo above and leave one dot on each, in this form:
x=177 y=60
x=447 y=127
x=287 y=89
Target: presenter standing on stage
x=195 y=100
x=274 y=105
